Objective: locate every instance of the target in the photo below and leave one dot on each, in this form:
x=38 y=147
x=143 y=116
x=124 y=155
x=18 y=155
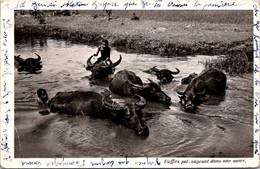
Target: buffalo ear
x=201 y=93
x=200 y=88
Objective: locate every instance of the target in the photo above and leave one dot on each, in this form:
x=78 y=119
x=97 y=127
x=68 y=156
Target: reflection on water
x=214 y=130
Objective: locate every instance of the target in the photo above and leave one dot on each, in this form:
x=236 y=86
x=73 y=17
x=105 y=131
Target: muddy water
x=217 y=128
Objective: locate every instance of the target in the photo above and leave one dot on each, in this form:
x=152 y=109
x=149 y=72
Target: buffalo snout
x=142 y=131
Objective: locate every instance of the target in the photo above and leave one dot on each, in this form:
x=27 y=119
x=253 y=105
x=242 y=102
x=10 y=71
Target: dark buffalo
x=126 y=83
x=210 y=81
x=188 y=79
x=101 y=69
x=30 y=64
x=96 y=105
x=164 y=75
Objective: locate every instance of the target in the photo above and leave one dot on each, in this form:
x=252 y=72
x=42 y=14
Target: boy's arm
x=97 y=52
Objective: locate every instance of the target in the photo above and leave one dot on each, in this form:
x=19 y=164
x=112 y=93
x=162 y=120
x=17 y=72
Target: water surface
x=224 y=129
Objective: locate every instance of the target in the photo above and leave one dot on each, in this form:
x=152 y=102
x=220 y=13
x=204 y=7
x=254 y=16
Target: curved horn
x=142 y=102
x=18 y=58
x=155 y=69
x=113 y=64
x=39 y=58
x=111 y=106
x=180 y=93
x=89 y=62
x=136 y=86
x=153 y=83
x=175 y=73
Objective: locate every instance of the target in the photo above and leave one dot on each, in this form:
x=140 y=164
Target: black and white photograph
x=133 y=83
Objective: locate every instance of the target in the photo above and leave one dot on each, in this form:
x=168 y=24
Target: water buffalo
x=164 y=75
x=210 y=81
x=30 y=64
x=126 y=83
x=188 y=79
x=96 y=105
x=101 y=69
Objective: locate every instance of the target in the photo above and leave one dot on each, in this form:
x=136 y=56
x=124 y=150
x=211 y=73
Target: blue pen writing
x=256 y=81
x=256 y=118
x=257 y=25
x=157 y=4
x=6 y=60
x=221 y=4
x=7 y=94
x=125 y=162
x=178 y=5
x=37 y=5
x=148 y=162
x=256 y=69
x=6 y=72
x=255 y=10
x=256 y=146
x=145 y=4
x=197 y=4
x=20 y=4
x=256 y=46
x=73 y=4
x=7 y=158
x=129 y=4
x=7 y=117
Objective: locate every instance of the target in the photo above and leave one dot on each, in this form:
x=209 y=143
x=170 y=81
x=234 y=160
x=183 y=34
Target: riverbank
x=144 y=36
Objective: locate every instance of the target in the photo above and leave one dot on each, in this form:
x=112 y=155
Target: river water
x=223 y=129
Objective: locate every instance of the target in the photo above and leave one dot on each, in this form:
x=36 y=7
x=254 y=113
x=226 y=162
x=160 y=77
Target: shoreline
x=195 y=39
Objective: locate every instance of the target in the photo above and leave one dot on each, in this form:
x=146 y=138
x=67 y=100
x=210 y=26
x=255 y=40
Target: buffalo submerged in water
x=31 y=65
x=126 y=83
x=210 y=81
x=164 y=75
x=96 y=105
x=101 y=69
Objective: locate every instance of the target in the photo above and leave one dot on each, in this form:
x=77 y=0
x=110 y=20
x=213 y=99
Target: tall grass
x=209 y=16
x=235 y=63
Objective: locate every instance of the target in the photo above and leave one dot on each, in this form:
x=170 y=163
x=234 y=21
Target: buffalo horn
x=155 y=69
x=142 y=102
x=111 y=106
x=152 y=82
x=136 y=86
x=113 y=64
x=89 y=62
x=39 y=58
x=180 y=93
x=178 y=71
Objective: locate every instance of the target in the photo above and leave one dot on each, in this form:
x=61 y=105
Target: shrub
x=234 y=63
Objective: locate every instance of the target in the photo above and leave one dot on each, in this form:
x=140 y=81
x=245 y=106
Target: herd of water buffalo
x=126 y=83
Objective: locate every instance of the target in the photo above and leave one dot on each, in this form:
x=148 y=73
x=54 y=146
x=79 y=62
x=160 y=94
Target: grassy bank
x=201 y=16
x=165 y=33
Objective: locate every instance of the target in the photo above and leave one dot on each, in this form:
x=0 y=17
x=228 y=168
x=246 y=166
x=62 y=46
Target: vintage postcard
x=129 y=84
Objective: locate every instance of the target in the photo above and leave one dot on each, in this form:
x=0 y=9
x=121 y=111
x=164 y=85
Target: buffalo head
x=190 y=98
x=30 y=64
x=211 y=81
x=164 y=75
x=129 y=115
x=100 y=69
x=152 y=91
